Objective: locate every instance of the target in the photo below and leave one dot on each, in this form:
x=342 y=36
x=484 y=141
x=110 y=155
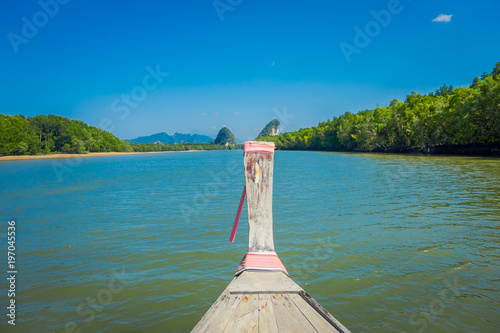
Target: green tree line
x=46 y=134
x=446 y=117
x=147 y=147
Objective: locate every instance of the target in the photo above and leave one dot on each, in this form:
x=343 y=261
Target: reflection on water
x=386 y=243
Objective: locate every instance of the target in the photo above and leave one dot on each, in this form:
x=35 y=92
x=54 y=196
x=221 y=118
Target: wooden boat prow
x=262 y=297
x=267 y=302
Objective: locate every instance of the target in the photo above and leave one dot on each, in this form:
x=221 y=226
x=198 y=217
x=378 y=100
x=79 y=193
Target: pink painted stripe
x=261 y=261
x=258 y=147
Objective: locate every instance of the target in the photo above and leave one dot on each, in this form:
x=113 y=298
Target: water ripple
x=387 y=243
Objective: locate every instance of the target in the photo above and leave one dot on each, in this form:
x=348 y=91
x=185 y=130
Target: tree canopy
x=448 y=117
x=46 y=134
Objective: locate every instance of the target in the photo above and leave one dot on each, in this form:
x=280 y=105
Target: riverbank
x=459 y=150
x=464 y=150
x=56 y=156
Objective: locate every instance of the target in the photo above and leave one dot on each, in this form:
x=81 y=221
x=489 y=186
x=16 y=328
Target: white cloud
x=442 y=18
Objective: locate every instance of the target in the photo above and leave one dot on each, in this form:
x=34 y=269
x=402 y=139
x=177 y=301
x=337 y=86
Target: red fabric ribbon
x=235 y=226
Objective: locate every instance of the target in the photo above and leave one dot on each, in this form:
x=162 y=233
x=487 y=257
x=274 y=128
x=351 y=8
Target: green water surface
x=139 y=243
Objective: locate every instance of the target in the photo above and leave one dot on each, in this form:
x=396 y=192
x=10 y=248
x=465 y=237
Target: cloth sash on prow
x=259 y=160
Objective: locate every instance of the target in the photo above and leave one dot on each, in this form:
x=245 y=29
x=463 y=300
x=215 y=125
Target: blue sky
x=237 y=63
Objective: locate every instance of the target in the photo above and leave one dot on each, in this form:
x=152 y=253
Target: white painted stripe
x=264 y=252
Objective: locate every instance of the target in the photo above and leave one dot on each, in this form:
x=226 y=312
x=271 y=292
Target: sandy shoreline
x=52 y=156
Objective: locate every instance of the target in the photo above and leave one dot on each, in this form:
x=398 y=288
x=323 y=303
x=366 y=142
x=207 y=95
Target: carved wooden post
x=261 y=298
x=259 y=162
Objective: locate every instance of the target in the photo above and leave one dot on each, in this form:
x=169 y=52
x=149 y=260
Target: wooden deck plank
x=246 y=316
x=204 y=321
x=267 y=319
x=262 y=282
x=317 y=320
x=311 y=301
x=288 y=316
x=219 y=313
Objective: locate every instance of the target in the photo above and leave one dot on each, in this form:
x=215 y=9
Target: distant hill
x=271 y=129
x=225 y=137
x=158 y=137
x=172 y=139
x=192 y=138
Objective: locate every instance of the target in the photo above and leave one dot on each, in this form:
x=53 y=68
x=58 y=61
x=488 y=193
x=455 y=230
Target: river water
x=139 y=243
